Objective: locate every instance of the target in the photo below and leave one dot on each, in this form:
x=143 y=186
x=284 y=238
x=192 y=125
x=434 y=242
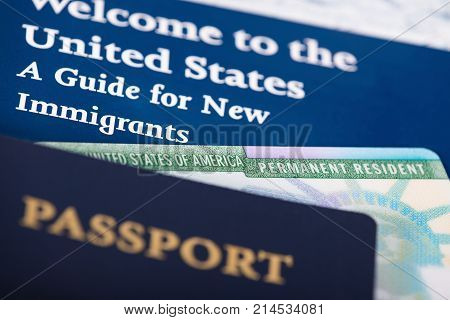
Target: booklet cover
x=78 y=228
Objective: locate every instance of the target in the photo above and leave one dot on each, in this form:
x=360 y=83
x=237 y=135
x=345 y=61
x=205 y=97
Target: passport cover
x=78 y=228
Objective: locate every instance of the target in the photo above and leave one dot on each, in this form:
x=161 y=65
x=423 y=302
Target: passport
x=79 y=228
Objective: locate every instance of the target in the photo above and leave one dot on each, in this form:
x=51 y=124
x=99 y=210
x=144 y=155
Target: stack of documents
x=177 y=150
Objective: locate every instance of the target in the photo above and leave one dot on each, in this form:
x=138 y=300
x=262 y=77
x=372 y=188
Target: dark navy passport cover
x=78 y=228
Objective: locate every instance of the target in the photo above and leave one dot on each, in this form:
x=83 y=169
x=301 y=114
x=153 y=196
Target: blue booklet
x=78 y=228
x=177 y=72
